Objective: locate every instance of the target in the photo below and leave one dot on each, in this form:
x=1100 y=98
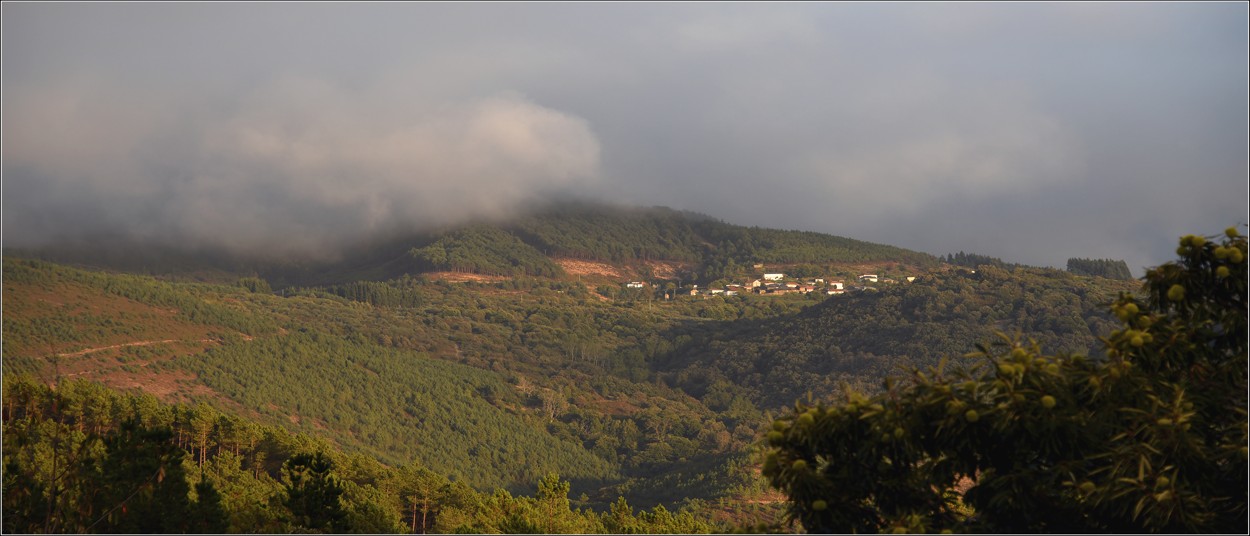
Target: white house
x=872 y=278
x=634 y=284
x=837 y=285
x=774 y=277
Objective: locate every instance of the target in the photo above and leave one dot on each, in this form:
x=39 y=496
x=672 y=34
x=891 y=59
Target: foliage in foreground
x=82 y=458
x=1151 y=439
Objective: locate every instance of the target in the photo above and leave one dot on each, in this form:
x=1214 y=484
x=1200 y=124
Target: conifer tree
x=314 y=493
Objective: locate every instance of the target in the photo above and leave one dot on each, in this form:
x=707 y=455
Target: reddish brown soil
x=581 y=267
x=619 y=408
x=462 y=277
x=666 y=269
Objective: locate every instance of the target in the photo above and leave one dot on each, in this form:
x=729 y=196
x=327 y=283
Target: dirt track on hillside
x=137 y=343
x=81 y=352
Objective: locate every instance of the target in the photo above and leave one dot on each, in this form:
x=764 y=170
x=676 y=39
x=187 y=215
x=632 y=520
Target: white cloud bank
x=296 y=166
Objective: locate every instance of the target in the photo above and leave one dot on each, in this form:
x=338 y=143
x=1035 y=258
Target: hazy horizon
x=1031 y=132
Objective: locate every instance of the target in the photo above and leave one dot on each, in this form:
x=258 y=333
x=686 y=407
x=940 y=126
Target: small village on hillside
x=776 y=284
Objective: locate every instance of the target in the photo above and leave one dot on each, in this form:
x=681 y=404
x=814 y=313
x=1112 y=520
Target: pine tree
x=143 y=485
x=313 y=493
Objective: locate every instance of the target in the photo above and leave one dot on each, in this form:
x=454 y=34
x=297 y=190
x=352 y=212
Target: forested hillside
x=394 y=405
x=655 y=396
x=485 y=250
x=712 y=248
x=861 y=338
x=469 y=378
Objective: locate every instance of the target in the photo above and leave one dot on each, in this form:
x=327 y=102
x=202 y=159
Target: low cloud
x=297 y=166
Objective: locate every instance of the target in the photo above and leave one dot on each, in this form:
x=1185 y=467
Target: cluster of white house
x=776 y=283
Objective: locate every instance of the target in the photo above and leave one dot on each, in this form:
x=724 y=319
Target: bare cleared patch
x=667 y=269
x=616 y=408
x=124 y=345
x=582 y=267
x=95 y=362
x=463 y=277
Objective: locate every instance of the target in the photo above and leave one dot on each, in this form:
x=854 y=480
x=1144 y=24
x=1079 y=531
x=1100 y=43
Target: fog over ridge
x=1033 y=132
x=297 y=167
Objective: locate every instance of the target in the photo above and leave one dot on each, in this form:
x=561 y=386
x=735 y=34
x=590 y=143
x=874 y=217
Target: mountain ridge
x=526 y=244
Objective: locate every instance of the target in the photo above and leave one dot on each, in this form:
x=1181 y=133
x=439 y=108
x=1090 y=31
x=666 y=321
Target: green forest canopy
x=659 y=401
x=1151 y=438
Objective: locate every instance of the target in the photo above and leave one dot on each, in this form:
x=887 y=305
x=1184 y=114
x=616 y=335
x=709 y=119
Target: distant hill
x=708 y=248
x=527 y=245
x=716 y=248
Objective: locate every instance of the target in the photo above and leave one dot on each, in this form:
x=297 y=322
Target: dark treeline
x=1108 y=268
x=972 y=260
x=398 y=293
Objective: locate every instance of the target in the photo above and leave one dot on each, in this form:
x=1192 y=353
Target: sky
x=1033 y=132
